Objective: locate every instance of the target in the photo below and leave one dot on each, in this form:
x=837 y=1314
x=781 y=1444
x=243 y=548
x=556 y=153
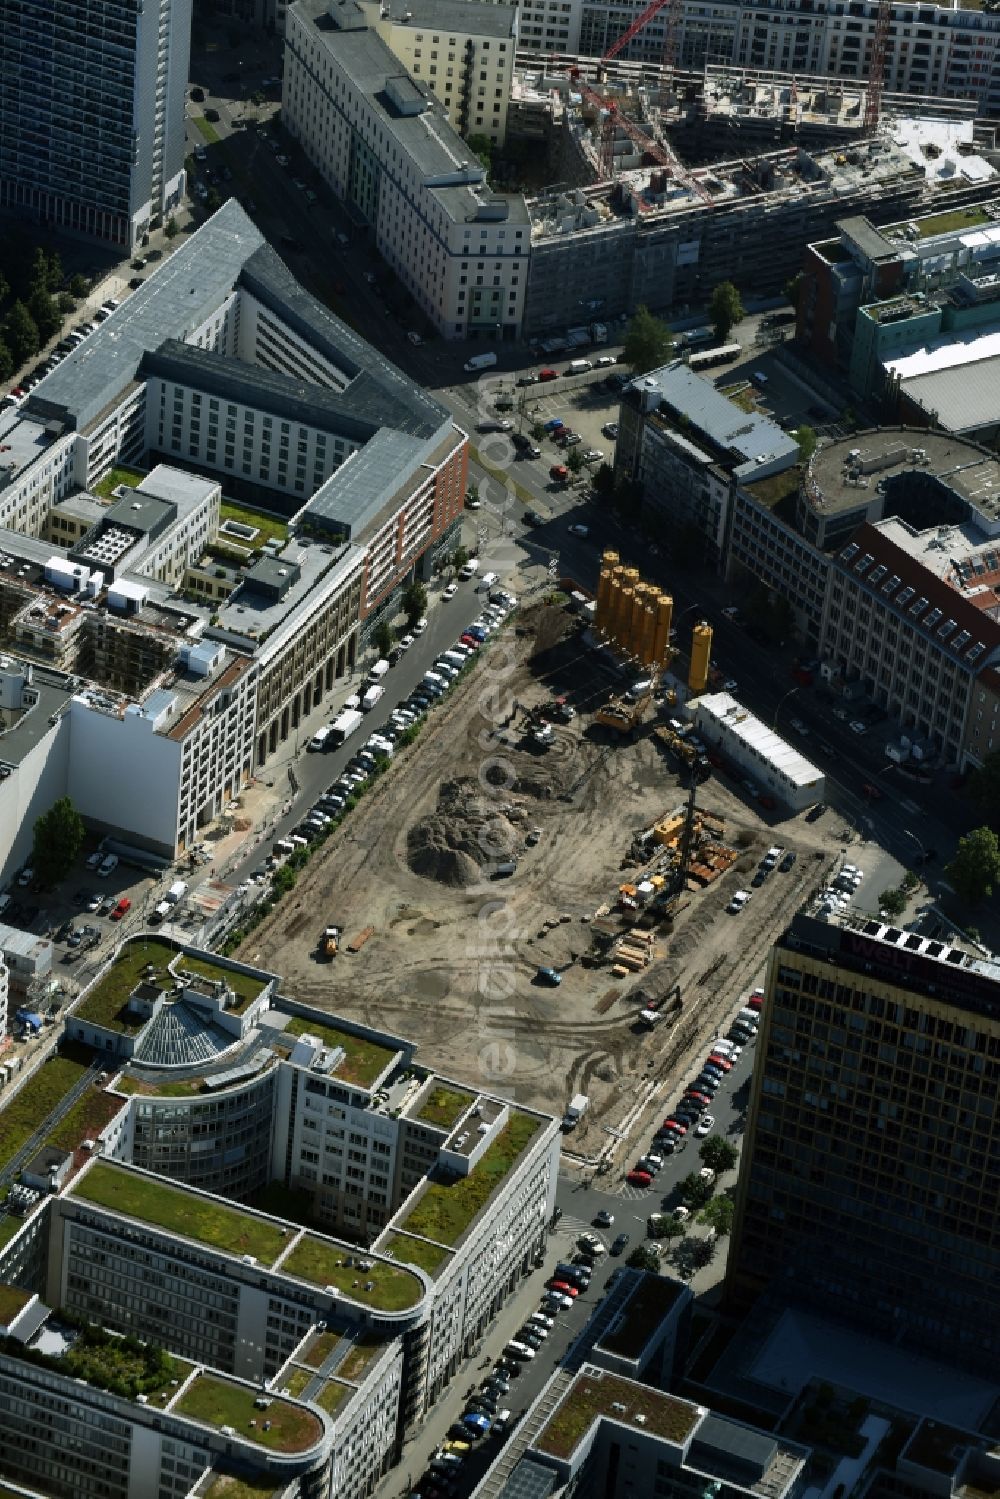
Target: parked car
x=621 y=1241
x=705 y=1125
x=638 y=1178
x=121 y=909
x=604 y=1219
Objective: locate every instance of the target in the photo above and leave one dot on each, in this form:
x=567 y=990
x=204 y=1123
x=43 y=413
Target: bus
x=725 y=354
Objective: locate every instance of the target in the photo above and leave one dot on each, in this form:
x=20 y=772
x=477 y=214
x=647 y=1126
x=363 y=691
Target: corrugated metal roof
x=745 y=726
x=745 y=435
x=962 y=397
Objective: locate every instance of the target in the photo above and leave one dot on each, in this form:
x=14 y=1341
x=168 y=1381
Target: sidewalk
x=420 y=1448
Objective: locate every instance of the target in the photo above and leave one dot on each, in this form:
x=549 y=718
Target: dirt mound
x=467 y=832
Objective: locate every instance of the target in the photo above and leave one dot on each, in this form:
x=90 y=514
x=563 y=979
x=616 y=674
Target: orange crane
x=876 y=68
x=614 y=119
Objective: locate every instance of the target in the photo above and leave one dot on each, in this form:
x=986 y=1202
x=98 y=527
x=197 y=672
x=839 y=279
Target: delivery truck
x=480 y=362
x=344 y=726
x=371 y=696
x=575 y=1110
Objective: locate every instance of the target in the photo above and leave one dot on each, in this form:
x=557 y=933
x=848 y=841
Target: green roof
x=124 y=1366
x=364 y=1060
x=294 y=1380
x=644 y=1311
x=319 y=1348
x=179 y=1212
x=354 y=1365
x=105 y=1004
x=324 y=1263
x=48 y=1085
x=444 y=1106
x=410 y=1251
x=12 y=1302
x=228 y=1486
x=594 y=1395
x=282 y=1427
x=246 y=987
x=106 y=1001
x=332 y=1396
x=444 y=1210
x=953 y=220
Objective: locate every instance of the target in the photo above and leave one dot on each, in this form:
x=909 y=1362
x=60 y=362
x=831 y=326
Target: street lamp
x=781 y=702
x=923 y=851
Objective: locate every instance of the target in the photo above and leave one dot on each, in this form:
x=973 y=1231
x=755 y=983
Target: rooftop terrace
x=282 y=1427
x=443 y=1106
x=181 y=1212
x=124 y=1366
x=595 y=1394
x=444 y=1210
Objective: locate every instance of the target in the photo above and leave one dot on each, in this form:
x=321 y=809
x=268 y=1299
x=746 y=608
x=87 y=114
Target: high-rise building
x=92 y=113
x=872 y=1156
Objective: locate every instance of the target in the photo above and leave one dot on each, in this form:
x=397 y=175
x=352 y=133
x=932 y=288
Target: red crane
x=876 y=68
x=646 y=15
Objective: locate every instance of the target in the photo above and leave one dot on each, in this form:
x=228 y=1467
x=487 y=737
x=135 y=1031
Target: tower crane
x=876 y=68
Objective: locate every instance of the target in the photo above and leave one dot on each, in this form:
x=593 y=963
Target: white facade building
x=776 y=769
x=463 y=49
x=383 y=143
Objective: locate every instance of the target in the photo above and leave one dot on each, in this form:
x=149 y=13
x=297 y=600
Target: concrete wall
x=37 y=782
x=115 y=767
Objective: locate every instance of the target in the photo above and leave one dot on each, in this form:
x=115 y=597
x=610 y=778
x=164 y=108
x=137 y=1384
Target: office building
x=299 y=1356
x=382 y=141
x=463 y=49
x=869 y=1177
x=92 y=115
x=688 y=447
x=147 y=627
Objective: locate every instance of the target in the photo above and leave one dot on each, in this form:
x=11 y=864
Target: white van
x=748 y=1017
x=454 y=658
x=519 y=1351
x=578 y=367
x=378 y=671
x=470 y=569
x=486 y=582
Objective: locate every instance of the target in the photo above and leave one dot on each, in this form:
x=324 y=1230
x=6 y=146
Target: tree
x=59 y=835
x=7 y=365
x=382 y=638
x=806 y=439
x=648 y=342
x=414 y=601
x=975 y=868
x=481 y=146
x=725 y=309
x=604 y=481
x=644 y=1258
x=459 y=557
x=537 y=431
x=55 y=271
x=170 y=228
x=472 y=493
x=984 y=786
x=21 y=333
x=793 y=289
x=45 y=311
x=79 y=285
x=718 y=1214
x=892 y=902
x=574 y=459
x=718 y=1153
x=65 y=303
x=671 y=1228
x=695 y=1190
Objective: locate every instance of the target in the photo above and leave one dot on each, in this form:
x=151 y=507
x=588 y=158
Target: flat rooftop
x=964 y=466
x=596 y=1394
x=651 y=1300
x=357 y=1276
x=365 y=1057
x=752 y=731
x=964 y=395
x=254 y=614
x=22 y=440
x=747 y=441
x=18 y=741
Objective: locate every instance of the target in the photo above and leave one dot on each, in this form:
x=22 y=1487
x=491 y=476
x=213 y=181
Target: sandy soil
x=453 y=968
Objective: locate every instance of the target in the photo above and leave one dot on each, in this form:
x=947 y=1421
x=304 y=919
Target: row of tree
x=35 y=306
x=649 y=341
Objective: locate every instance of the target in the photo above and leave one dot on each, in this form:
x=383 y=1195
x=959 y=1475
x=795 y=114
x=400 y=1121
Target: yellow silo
x=646 y=653
x=634 y=641
x=701 y=656
x=614 y=601
x=623 y=616
x=609 y=562
x=661 y=637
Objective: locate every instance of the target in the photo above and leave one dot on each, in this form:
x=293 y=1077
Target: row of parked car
x=381 y=745
x=692 y=1112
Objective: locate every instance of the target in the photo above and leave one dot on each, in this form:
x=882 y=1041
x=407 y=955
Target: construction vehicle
x=330 y=941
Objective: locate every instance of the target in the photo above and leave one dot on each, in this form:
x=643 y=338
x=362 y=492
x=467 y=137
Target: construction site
x=661 y=183
x=537 y=893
